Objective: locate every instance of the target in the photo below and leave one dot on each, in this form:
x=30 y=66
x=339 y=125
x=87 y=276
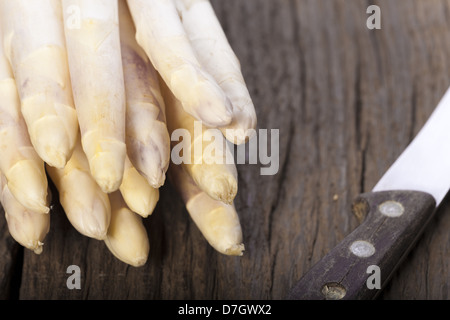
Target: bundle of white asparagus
x=92 y=92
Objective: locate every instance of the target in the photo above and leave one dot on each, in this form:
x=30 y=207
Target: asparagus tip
x=235 y=250
x=38 y=206
x=38 y=247
x=54 y=157
x=139 y=261
x=107 y=172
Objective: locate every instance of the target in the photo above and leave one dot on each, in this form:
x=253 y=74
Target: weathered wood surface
x=346 y=100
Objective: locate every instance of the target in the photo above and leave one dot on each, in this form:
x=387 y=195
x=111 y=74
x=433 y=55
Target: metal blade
x=425 y=164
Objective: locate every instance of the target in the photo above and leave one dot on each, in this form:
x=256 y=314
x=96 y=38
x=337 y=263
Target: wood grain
x=377 y=246
x=346 y=100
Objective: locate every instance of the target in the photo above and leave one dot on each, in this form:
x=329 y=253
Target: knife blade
x=395 y=211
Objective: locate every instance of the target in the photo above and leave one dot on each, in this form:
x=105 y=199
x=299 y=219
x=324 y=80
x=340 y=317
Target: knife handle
x=360 y=266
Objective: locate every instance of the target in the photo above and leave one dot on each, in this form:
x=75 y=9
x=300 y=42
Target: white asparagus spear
x=161 y=34
x=28 y=228
x=23 y=168
x=95 y=63
x=147 y=138
x=127 y=237
x=218 y=59
x=215 y=172
x=34 y=44
x=139 y=196
x=218 y=222
x=86 y=206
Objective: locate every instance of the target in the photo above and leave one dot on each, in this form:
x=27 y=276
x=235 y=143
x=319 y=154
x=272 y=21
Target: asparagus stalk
x=23 y=168
x=147 y=138
x=28 y=228
x=218 y=59
x=218 y=222
x=127 y=237
x=86 y=206
x=35 y=47
x=95 y=66
x=215 y=173
x=161 y=35
x=139 y=196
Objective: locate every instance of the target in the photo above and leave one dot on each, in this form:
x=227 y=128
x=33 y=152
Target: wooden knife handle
x=360 y=266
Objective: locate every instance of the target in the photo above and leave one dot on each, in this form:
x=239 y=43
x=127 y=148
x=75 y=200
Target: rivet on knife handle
x=394 y=221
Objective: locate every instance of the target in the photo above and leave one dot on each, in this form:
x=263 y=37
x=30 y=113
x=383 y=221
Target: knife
x=395 y=211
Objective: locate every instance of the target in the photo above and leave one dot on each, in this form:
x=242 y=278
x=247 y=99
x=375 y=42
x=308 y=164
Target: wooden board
x=346 y=100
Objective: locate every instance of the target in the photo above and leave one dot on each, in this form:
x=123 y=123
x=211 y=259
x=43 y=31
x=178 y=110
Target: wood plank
x=10 y=262
x=346 y=101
